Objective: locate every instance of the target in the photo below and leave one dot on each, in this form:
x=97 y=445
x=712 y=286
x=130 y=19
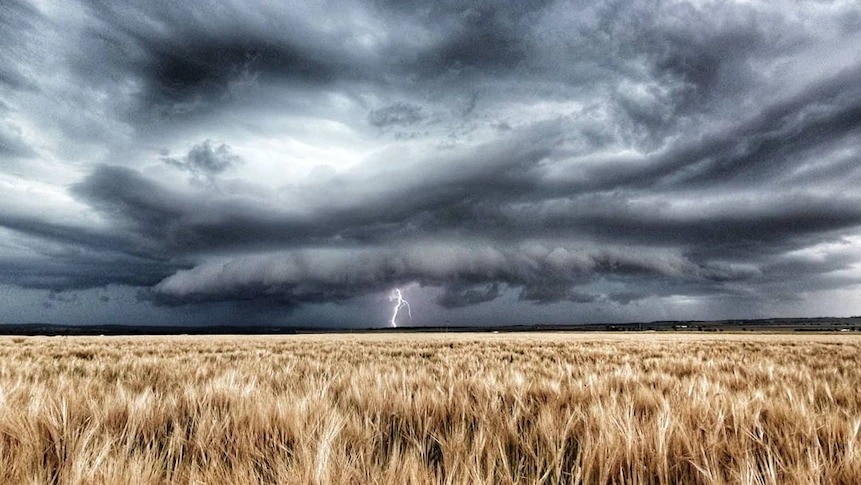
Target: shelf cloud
x=503 y=162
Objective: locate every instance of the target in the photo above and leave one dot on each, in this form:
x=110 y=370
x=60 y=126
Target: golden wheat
x=533 y=408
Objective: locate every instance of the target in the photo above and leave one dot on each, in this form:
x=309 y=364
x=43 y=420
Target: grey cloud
x=14 y=79
x=775 y=138
x=462 y=295
x=463 y=39
x=62 y=298
x=626 y=297
x=12 y=143
x=13 y=12
x=206 y=159
x=396 y=114
x=554 y=293
x=18 y=19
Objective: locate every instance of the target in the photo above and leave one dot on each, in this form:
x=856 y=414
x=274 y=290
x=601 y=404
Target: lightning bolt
x=398 y=298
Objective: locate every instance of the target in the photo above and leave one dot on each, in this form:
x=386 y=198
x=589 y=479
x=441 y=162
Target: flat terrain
x=432 y=408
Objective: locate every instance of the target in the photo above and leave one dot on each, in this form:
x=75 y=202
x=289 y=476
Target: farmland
x=432 y=408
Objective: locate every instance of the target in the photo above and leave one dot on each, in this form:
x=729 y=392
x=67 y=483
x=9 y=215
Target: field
x=469 y=408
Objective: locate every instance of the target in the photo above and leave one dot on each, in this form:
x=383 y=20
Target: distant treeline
x=755 y=325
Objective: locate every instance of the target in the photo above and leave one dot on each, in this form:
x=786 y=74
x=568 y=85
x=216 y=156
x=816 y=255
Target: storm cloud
x=501 y=162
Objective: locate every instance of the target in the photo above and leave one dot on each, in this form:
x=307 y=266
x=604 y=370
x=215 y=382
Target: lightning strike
x=398 y=298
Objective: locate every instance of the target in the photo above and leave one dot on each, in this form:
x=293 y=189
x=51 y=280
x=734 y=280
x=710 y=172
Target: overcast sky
x=505 y=162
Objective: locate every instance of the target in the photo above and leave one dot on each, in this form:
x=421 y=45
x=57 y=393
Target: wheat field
x=401 y=408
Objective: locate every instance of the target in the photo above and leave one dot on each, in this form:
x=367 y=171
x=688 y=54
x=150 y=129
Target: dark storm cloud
x=487 y=36
x=74 y=271
x=205 y=66
x=575 y=153
x=782 y=135
x=361 y=205
x=159 y=220
x=469 y=273
x=200 y=53
x=711 y=60
x=755 y=222
x=77 y=235
x=175 y=224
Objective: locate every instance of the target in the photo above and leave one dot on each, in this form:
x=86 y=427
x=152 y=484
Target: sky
x=292 y=163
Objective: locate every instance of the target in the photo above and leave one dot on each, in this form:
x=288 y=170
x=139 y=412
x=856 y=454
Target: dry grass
x=392 y=409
